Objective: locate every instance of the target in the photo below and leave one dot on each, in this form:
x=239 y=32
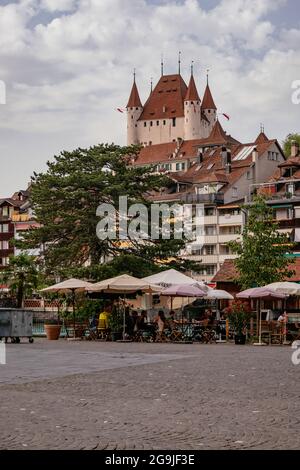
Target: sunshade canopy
x=218 y=294
x=122 y=284
x=184 y=291
x=288 y=288
x=260 y=293
x=68 y=286
x=169 y=278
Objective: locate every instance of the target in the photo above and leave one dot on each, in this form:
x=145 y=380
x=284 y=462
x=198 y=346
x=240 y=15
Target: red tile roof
x=192 y=93
x=166 y=100
x=229 y=273
x=134 y=98
x=208 y=101
x=261 y=138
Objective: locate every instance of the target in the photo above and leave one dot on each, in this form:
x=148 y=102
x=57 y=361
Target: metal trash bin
x=15 y=324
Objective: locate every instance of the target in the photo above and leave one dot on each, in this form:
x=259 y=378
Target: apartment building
x=15 y=218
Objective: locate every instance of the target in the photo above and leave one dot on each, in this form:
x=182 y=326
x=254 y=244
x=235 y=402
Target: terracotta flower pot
x=52 y=331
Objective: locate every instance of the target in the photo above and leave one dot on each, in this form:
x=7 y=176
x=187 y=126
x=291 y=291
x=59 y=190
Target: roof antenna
x=207 y=73
x=151 y=84
x=179 y=62
x=162 y=64
x=192 y=68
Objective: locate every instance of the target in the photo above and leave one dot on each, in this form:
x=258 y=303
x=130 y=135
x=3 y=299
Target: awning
x=280 y=206
x=285 y=230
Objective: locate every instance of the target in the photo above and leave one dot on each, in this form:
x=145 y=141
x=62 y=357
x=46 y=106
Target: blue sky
x=67 y=66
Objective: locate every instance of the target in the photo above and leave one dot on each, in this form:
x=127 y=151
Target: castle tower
x=192 y=112
x=209 y=108
x=134 y=110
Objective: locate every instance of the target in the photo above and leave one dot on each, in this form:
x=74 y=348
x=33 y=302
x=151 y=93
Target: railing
x=190 y=198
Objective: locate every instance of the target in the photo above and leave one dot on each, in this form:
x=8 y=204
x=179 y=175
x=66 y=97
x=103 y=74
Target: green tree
x=65 y=199
x=22 y=276
x=262 y=251
x=287 y=143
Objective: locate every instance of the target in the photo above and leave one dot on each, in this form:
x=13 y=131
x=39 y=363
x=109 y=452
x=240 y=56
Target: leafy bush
x=239 y=315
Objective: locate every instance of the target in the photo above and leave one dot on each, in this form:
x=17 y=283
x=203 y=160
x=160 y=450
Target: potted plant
x=239 y=317
x=52 y=328
x=115 y=323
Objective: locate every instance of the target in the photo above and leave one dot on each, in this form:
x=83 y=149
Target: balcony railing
x=215 y=198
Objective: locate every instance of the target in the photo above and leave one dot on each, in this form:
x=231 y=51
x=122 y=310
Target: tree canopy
x=287 y=143
x=262 y=251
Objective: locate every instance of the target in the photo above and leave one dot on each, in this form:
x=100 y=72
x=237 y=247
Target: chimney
x=254 y=166
x=254 y=155
x=199 y=155
x=294 y=148
x=224 y=157
x=178 y=142
x=228 y=162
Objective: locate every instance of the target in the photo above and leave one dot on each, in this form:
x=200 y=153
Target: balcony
x=212 y=198
x=223 y=257
x=228 y=237
x=228 y=219
x=20 y=217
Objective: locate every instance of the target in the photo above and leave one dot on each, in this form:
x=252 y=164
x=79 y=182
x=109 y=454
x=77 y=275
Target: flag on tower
x=226 y=116
x=120 y=110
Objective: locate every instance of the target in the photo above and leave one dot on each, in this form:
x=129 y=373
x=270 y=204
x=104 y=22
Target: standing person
x=160 y=319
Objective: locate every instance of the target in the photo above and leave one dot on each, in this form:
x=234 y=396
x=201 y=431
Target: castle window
x=131 y=117
x=137 y=109
x=164 y=122
x=136 y=125
x=145 y=124
x=157 y=123
x=174 y=122
x=192 y=102
x=150 y=142
x=208 y=111
x=151 y=123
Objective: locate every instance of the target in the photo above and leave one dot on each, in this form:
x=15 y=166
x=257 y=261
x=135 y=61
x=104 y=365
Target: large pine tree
x=65 y=199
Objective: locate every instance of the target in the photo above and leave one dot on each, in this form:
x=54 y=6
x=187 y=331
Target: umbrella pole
x=124 y=318
x=259 y=320
x=73 y=307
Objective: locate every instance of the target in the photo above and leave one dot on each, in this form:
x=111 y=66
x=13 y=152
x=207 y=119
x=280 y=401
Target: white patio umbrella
x=72 y=286
x=123 y=284
x=288 y=288
x=218 y=294
x=169 y=278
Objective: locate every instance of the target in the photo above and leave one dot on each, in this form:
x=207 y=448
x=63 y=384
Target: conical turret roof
x=192 y=93
x=134 y=98
x=208 y=101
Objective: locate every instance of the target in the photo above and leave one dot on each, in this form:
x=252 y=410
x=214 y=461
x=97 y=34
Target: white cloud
x=66 y=75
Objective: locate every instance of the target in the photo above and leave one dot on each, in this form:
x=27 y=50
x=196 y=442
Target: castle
x=173 y=111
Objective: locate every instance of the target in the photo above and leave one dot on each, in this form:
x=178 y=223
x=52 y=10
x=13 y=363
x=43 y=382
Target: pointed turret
x=209 y=110
x=261 y=138
x=208 y=101
x=134 y=111
x=134 y=98
x=192 y=112
x=192 y=93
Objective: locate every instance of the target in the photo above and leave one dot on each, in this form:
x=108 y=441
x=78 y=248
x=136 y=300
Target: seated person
x=103 y=318
x=142 y=321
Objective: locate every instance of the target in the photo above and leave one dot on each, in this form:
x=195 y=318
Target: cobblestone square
x=93 y=395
